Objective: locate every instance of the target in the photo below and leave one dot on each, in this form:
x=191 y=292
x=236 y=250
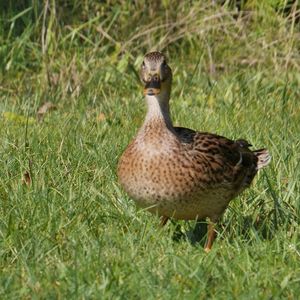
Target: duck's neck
x=158 y=113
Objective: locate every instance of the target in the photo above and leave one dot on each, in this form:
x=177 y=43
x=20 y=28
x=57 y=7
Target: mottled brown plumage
x=177 y=172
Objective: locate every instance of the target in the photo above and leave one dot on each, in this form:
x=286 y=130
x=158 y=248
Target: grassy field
x=67 y=230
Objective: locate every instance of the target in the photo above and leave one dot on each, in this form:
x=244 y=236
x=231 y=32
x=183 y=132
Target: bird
x=179 y=173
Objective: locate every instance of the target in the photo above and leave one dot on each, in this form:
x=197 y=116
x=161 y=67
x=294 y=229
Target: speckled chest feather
x=172 y=178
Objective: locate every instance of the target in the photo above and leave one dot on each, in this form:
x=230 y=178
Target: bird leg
x=211 y=235
x=163 y=220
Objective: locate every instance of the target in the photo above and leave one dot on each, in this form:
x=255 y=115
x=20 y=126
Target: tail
x=263 y=158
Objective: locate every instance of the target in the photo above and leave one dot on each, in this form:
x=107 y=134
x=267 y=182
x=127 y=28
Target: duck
x=179 y=173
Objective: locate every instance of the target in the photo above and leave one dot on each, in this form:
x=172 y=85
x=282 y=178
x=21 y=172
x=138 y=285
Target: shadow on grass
x=249 y=227
x=194 y=236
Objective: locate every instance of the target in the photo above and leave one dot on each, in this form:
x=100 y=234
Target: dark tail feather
x=263 y=158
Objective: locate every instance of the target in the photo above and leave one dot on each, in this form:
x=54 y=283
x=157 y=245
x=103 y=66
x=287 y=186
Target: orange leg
x=163 y=220
x=211 y=235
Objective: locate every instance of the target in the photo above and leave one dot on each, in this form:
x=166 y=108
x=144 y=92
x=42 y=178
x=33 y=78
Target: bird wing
x=219 y=160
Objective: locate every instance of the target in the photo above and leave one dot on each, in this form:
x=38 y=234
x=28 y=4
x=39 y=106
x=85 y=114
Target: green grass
x=73 y=233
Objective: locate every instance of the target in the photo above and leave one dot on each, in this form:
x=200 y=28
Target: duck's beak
x=153 y=86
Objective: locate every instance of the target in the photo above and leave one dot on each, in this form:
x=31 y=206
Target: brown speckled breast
x=172 y=178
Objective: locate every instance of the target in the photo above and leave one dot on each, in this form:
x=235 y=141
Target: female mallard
x=177 y=172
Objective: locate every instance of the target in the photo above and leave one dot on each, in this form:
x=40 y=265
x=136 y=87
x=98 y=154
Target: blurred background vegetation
x=52 y=40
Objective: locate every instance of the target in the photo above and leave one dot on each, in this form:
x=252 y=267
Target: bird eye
x=143 y=65
x=164 y=63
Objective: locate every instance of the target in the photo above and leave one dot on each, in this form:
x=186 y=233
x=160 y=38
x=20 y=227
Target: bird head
x=155 y=74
